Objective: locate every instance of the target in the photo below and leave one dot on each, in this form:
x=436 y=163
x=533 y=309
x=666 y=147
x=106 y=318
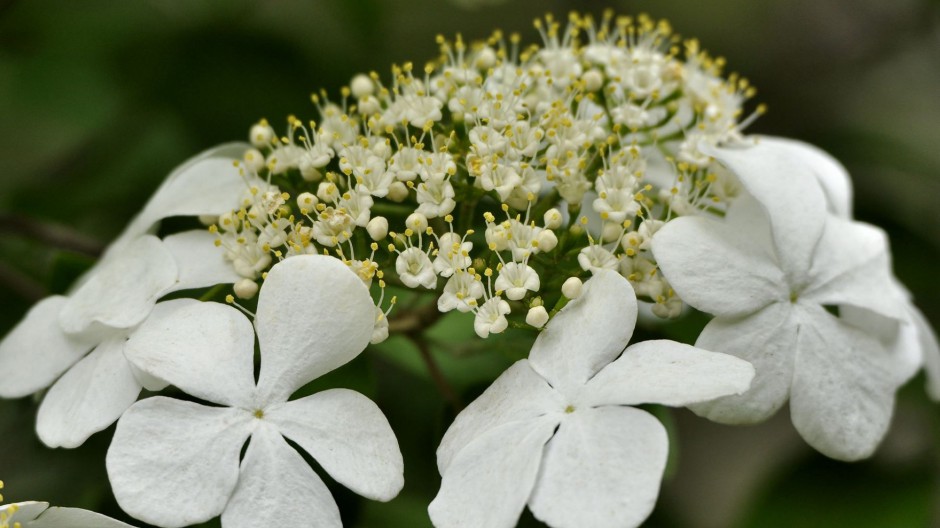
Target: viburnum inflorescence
x=498 y=171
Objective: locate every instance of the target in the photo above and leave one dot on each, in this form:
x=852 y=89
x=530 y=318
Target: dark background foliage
x=100 y=100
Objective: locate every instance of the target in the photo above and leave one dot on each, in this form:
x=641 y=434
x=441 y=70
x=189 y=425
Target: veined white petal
x=200 y=263
x=667 y=373
x=174 y=463
x=767 y=340
x=519 y=393
x=851 y=266
x=56 y=517
x=206 y=349
x=314 y=315
x=122 y=290
x=490 y=480
x=788 y=190
x=601 y=469
x=843 y=387
x=276 y=487
x=587 y=334
x=206 y=184
x=25 y=511
x=89 y=397
x=348 y=435
x=715 y=267
x=831 y=175
x=36 y=351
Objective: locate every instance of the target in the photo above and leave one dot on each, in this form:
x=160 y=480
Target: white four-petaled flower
x=175 y=463
x=771 y=272
x=557 y=431
x=82 y=334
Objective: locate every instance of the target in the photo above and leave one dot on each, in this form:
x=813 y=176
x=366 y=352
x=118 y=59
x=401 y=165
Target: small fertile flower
x=769 y=272
x=558 y=431
x=174 y=463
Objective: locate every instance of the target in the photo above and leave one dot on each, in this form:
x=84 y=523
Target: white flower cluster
x=497 y=182
x=510 y=135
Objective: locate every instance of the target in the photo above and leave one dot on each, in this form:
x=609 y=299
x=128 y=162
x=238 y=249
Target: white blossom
x=174 y=463
x=556 y=431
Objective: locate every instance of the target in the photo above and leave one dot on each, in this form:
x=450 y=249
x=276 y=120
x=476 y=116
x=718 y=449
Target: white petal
x=667 y=373
x=602 y=468
x=206 y=349
x=206 y=184
x=715 y=267
x=122 y=290
x=831 y=175
x=89 y=397
x=902 y=338
x=843 y=387
x=74 y=518
x=199 y=262
x=348 y=435
x=851 y=266
x=276 y=487
x=314 y=315
x=36 y=351
x=766 y=339
x=174 y=463
x=587 y=334
x=517 y=394
x=790 y=193
x=491 y=479
x=930 y=348
x=25 y=511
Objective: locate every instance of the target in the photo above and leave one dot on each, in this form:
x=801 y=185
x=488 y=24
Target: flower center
x=569 y=409
x=259 y=414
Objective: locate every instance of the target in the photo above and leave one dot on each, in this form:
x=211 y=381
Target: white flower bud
x=377 y=228
x=417 y=221
x=486 y=58
x=361 y=86
x=572 y=288
x=547 y=240
x=553 y=218
x=369 y=105
x=537 y=316
x=593 y=80
x=208 y=220
x=611 y=231
x=261 y=135
x=254 y=159
x=310 y=173
x=397 y=192
x=246 y=288
x=307 y=202
x=327 y=192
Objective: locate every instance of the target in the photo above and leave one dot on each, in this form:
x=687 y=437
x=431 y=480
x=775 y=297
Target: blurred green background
x=100 y=100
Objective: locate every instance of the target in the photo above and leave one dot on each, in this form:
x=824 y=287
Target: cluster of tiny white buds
x=611 y=113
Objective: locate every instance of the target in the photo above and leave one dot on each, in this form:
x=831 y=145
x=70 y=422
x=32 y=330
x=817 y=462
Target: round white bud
x=593 y=80
x=377 y=228
x=417 y=221
x=553 y=218
x=208 y=220
x=361 y=86
x=369 y=105
x=308 y=172
x=397 y=192
x=547 y=240
x=261 y=135
x=611 y=231
x=245 y=288
x=307 y=201
x=254 y=159
x=537 y=316
x=572 y=288
x=486 y=58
